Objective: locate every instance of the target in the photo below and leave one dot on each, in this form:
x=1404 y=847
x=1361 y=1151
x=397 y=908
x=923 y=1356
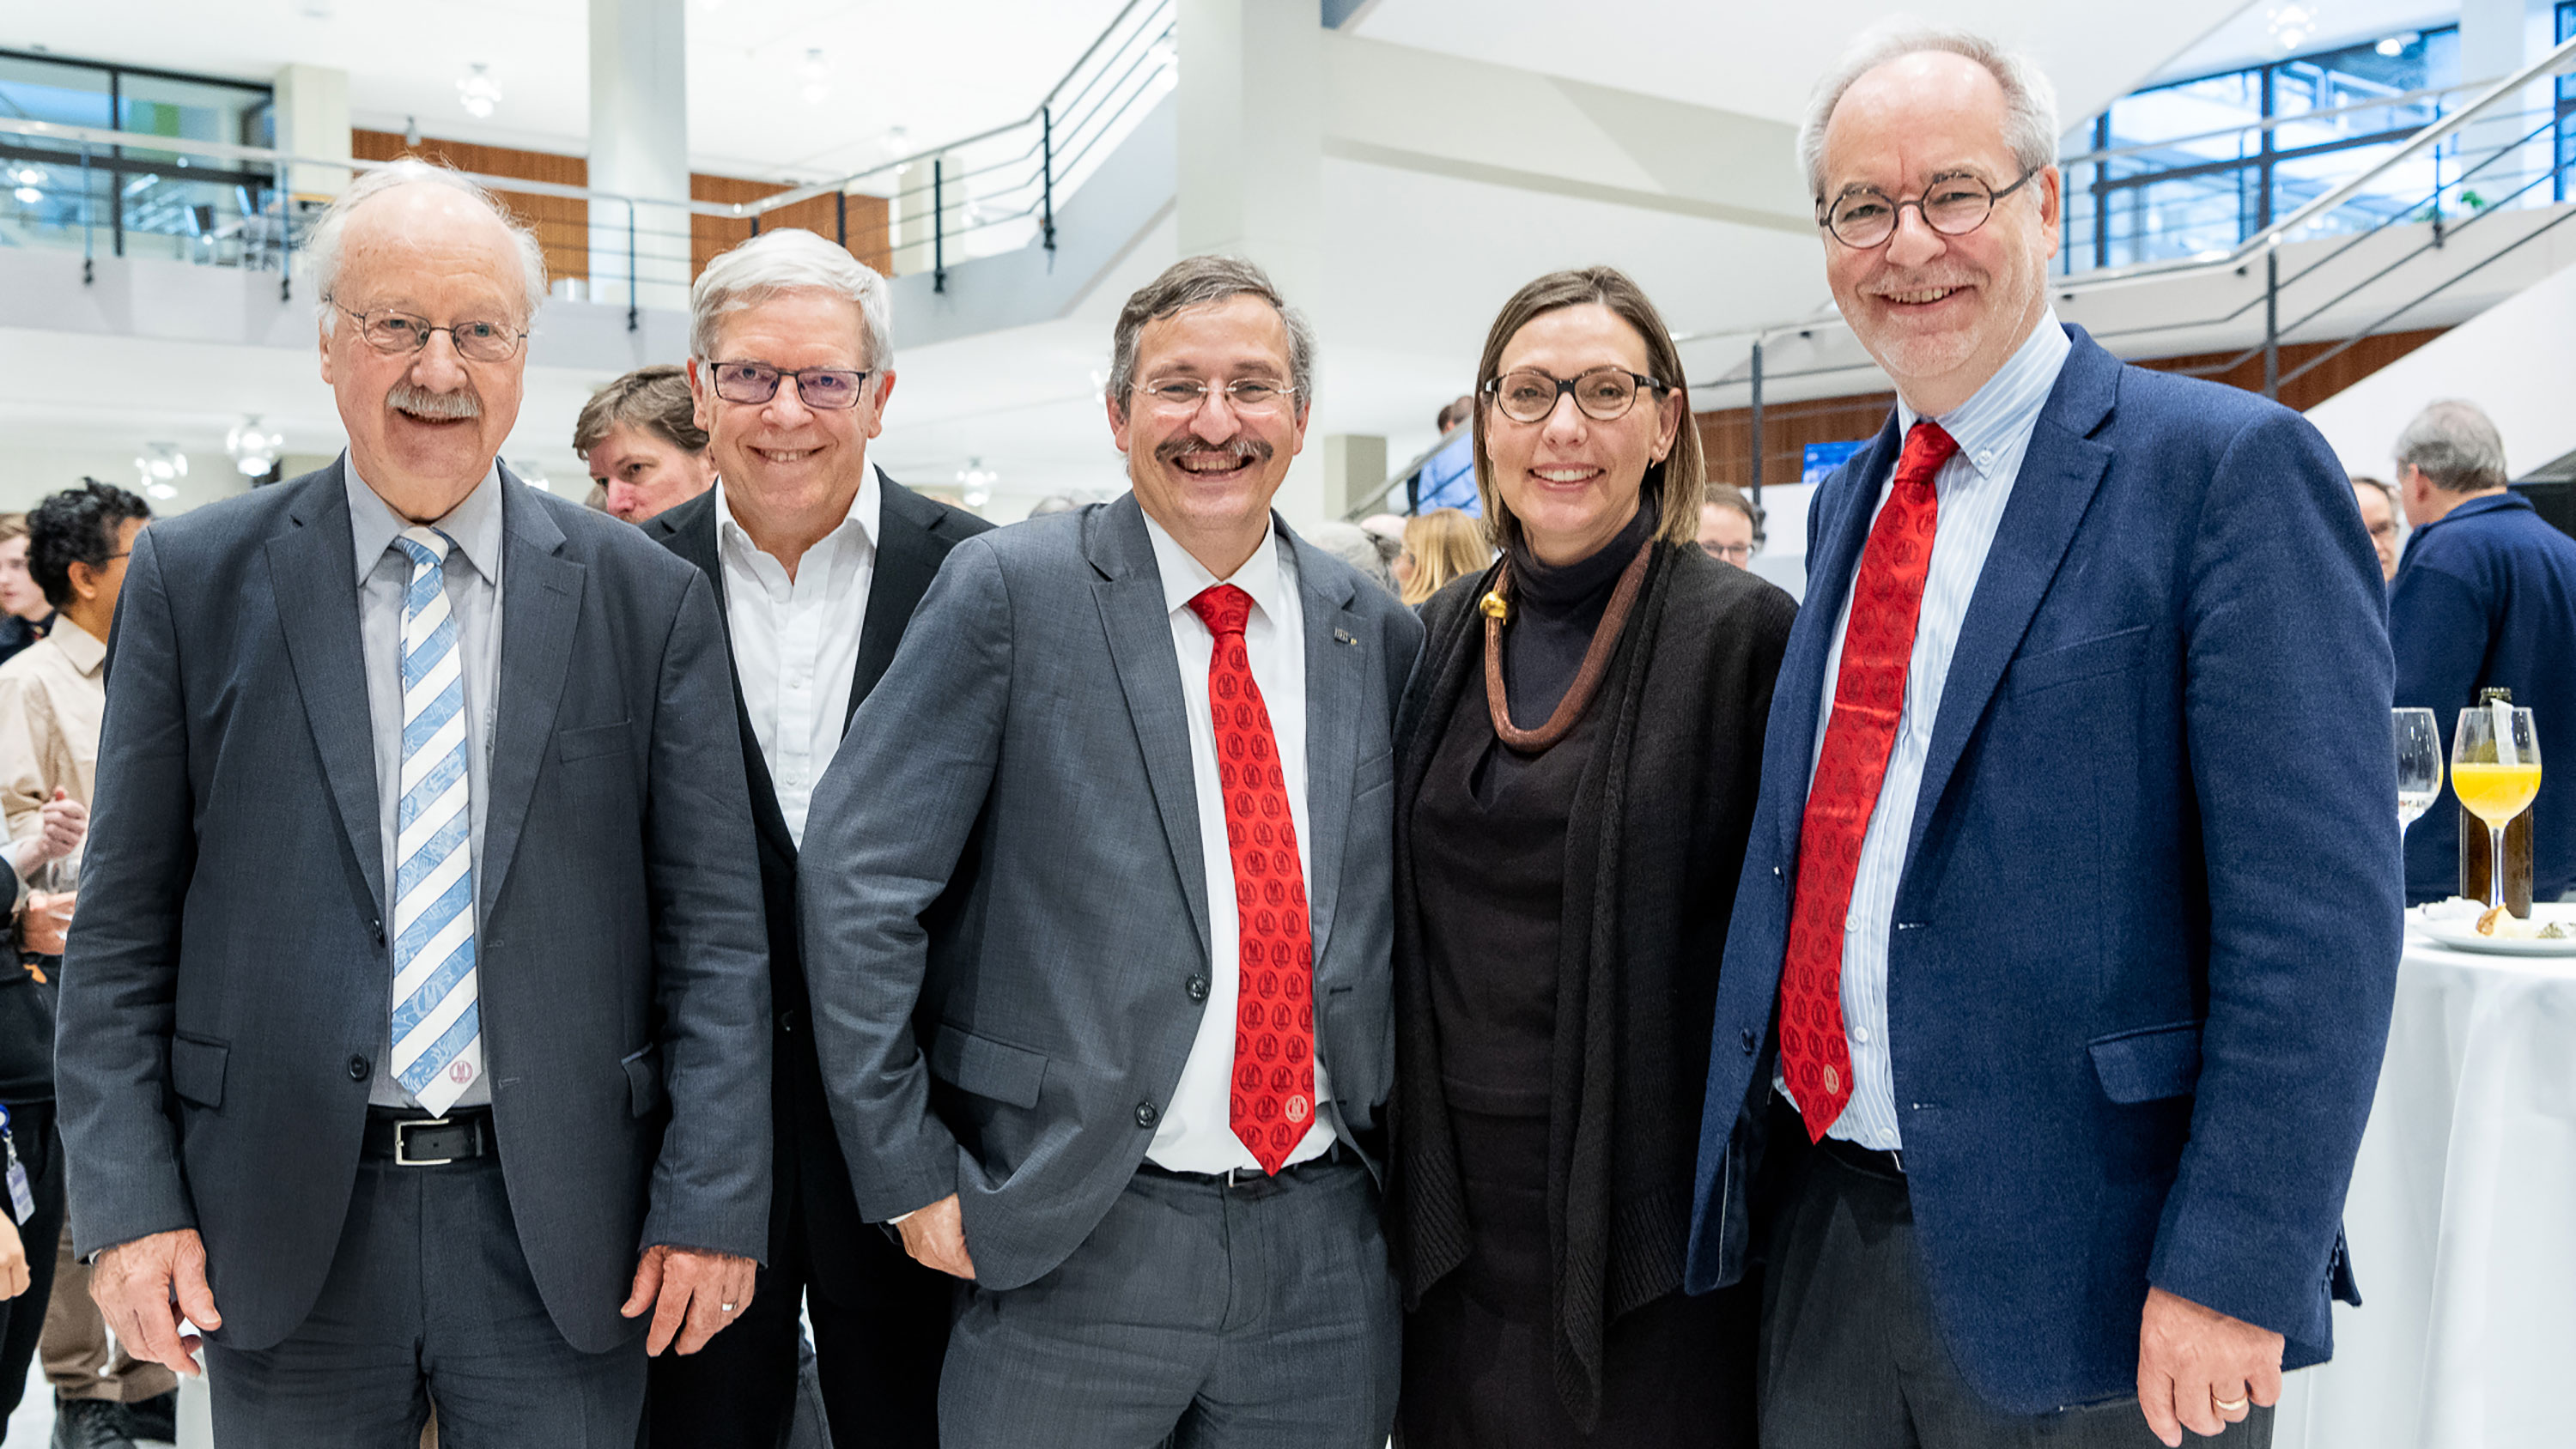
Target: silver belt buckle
x=402 y=1143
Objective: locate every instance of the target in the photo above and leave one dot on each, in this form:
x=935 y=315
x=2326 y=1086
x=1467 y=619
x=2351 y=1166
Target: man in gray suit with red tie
x=1097 y=903
x=414 y=1036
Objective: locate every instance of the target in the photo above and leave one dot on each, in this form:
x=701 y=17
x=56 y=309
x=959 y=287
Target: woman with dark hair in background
x=1577 y=759
x=1441 y=545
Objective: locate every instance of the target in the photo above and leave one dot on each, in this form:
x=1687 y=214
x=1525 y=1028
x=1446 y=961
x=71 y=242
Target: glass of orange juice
x=2495 y=769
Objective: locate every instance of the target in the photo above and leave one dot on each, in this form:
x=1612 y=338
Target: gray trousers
x=428 y=1297
x=1850 y=1354
x=1195 y=1315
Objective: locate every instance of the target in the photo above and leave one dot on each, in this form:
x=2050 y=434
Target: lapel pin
x=1344 y=636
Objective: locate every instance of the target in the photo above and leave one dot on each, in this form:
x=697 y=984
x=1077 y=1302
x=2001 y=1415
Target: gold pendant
x=1494 y=605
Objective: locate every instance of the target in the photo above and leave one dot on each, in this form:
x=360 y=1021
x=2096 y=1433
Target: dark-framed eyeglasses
x=399 y=333
x=1180 y=395
x=825 y=389
x=1527 y=395
x=1738 y=554
x=1865 y=217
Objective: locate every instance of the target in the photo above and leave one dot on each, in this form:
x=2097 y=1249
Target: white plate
x=2461 y=934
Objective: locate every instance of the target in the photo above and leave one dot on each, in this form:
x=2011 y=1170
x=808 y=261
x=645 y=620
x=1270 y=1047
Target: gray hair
x=1197 y=282
x=1355 y=546
x=2030 y=102
x=2456 y=446
x=322 y=245
x=790 y=260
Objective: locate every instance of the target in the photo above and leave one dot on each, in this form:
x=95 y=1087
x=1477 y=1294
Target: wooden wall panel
x=562 y=223
x=2365 y=357
x=860 y=223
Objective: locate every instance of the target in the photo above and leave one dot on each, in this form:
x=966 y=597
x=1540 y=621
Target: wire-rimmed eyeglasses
x=1527 y=395
x=1178 y=395
x=1954 y=205
x=396 y=333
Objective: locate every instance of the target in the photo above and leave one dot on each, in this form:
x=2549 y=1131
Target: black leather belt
x=412 y=1140
x=1251 y=1179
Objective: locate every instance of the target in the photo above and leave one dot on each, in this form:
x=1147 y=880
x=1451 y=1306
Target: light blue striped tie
x=438 y=1045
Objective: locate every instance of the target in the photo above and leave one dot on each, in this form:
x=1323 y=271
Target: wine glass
x=2495 y=770
x=2419 y=764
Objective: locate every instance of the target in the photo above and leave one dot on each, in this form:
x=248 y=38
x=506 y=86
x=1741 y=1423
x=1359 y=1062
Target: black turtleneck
x=1555 y=608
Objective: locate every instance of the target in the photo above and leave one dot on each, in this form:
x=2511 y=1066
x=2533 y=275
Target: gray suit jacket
x=225 y=992
x=1005 y=913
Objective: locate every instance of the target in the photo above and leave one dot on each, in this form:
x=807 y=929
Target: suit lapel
x=1139 y=626
x=691 y=527
x=1335 y=685
x=1831 y=562
x=2058 y=478
x=540 y=601
x=315 y=580
x=906 y=563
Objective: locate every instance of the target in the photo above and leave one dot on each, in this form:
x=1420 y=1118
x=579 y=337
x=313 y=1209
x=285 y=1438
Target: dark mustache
x=1245 y=450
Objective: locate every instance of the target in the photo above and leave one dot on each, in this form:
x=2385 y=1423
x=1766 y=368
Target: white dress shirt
x=1993 y=430
x=796 y=641
x=1196 y=1133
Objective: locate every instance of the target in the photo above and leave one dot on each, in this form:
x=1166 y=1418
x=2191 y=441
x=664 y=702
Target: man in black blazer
x=413 y=1032
x=817 y=561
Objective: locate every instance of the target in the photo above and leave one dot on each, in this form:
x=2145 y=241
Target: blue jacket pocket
x=2148 y=1064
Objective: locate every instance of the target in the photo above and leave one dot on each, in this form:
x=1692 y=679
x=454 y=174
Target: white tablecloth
x=2462 y=1222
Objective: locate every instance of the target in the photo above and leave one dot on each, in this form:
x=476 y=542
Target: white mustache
x=420 y=402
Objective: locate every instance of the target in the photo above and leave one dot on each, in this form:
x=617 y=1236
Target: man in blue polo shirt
x=2485 y=597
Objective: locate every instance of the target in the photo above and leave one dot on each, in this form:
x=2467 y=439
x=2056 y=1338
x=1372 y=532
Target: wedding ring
x=729 y=1308
x=2228 y=1406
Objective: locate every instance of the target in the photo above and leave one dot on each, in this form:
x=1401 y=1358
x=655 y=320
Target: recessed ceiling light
x=478 y=93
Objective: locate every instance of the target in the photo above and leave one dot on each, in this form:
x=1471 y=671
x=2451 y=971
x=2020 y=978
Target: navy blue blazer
x=2147 y=935
x=2487 y=596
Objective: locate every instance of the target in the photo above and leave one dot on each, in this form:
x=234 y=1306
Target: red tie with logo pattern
x=1274 y=1024
x=1869 y=699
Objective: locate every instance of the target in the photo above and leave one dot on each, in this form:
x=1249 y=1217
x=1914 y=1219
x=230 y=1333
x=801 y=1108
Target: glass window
x=34 y=89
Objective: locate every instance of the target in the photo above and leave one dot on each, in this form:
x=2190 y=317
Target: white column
x=639 y=147
x=313 y=120
x=1354 y=468
x=2497 y=38
x=1251 y=169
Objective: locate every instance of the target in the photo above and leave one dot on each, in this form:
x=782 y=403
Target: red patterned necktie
x=1869 y=699
x=1274 y=1024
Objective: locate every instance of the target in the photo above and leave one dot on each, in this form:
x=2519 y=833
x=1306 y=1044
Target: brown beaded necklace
x=1587 y=680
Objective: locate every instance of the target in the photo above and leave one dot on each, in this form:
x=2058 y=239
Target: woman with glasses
x=1577 y=759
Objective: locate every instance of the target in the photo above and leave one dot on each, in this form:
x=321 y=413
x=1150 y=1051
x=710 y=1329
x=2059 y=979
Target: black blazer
x=914 y=536
x=232 y=972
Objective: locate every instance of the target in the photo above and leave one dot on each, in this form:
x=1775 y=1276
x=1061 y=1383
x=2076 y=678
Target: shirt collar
x=473 y=525
x=1185 y=578
x=84 y=649
x=2008 y=406
x=866 y=510
x=2483 y=503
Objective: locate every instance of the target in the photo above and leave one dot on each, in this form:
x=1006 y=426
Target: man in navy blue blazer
x=2062 y=958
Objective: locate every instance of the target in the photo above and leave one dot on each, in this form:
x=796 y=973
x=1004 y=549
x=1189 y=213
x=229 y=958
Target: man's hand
x=47 y=922
x=134 y=1285
x=692 y=1294
x=61 y=826
x=936 y=1236
x=2191 y=1358
x=13 y=1260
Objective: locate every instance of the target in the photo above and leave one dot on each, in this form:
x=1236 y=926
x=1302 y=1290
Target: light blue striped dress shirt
x=1993 y=431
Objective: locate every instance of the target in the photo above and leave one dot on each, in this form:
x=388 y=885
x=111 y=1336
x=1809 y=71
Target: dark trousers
x=428 y=1296
x=22 y=1319
x=1850 y=1352
x=1196 y=1315
x=878 y=1359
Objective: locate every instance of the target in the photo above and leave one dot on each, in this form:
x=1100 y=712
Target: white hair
x=790 y=260
x=322 y=245
x=2030 y=102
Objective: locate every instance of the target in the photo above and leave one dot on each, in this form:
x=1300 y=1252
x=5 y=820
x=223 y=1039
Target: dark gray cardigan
x=1653 y=845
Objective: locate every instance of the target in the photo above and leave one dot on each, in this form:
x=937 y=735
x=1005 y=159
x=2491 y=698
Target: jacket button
x=1147 y=1115
x=358 y=1069
x=1752 y=1043
x=380 y=933
x=1197 y=988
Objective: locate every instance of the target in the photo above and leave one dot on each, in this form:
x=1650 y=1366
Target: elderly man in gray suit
x=415 y=1022
x=1097 y=920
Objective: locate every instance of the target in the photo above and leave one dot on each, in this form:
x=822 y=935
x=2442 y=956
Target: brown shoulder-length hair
x=1673 y=485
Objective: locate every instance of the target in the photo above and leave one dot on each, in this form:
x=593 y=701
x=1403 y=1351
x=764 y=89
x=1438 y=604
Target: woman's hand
x=13 y=1259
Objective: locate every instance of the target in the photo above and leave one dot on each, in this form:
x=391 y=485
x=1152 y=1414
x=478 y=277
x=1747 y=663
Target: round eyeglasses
x=1527 y=395
x=1865 y=217
x=825 y=389
x=397 y=333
